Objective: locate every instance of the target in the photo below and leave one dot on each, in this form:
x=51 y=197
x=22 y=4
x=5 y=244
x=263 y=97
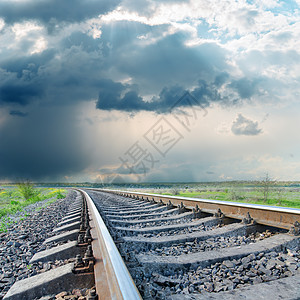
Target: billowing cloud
x=110 y=98
x=76 y=71
x=128 y=73
x=129 y=57
x=245 y=126
x=52 y=12
x=60 y=76
x=246 y=88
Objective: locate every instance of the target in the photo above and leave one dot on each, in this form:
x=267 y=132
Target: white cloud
x=245 y=126
x=22 y=38
x=2 y=24
x=267 y=3
x=22 y=30
x=39 y=46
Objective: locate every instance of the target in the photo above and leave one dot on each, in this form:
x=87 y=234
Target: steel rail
x=279 y=217
x=112 y=279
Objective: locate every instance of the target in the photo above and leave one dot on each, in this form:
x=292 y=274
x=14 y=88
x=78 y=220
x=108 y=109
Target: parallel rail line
x=140 y=221
x=112 y=278
x=280 y=217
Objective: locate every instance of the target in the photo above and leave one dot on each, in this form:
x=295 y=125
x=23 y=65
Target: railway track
x=125 y=245
x=83 y=261
x=178 y=248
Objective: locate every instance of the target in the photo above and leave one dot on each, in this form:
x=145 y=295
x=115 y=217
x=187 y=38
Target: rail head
x=119 y=280
x=280 y=217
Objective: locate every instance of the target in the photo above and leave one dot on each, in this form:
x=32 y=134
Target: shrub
x=175 y=191
x=235 y=195
x=27 y=190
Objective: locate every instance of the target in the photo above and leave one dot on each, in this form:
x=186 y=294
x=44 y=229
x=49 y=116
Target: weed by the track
x=16 y=198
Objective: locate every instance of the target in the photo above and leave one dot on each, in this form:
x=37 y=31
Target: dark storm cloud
x=169 y=62
x=20 y=92
x=74 y=71
x=53 y=11
x=48 y=85
x=79 y=39
x=116 y=96
x=110 y=98
x=221 y=79
x=18 y=113
x=245 y=126
x=27 y=64
x=76 y=68
x=20 y=82
x=70 y=77
x=245 y=87
x=46 y=144
x=165 y=68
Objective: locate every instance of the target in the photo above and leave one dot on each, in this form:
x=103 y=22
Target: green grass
x=14 y=199
x=27 y=190
x=284 y=198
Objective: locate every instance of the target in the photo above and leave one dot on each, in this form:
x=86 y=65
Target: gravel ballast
x=25 y=237
x=226 y=260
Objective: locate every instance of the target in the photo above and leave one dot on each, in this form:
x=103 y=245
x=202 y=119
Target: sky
x=149 y=91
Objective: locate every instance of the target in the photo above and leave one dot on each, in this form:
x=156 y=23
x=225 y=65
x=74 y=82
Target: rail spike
x=82 y=228
x=197 y=213
x=219 y=214
x=295 y=229
x=88 y=238
x=181 y=208
x=80 y=239
x=170 y=205
x=88 y=256
x=79 y=261
x=248 y=220
x=92 y=295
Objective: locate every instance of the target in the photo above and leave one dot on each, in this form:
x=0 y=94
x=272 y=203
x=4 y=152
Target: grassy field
x=285 y=198
x=275 y=193
x=279 y=194
x=16 y=198
x=264 y=191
